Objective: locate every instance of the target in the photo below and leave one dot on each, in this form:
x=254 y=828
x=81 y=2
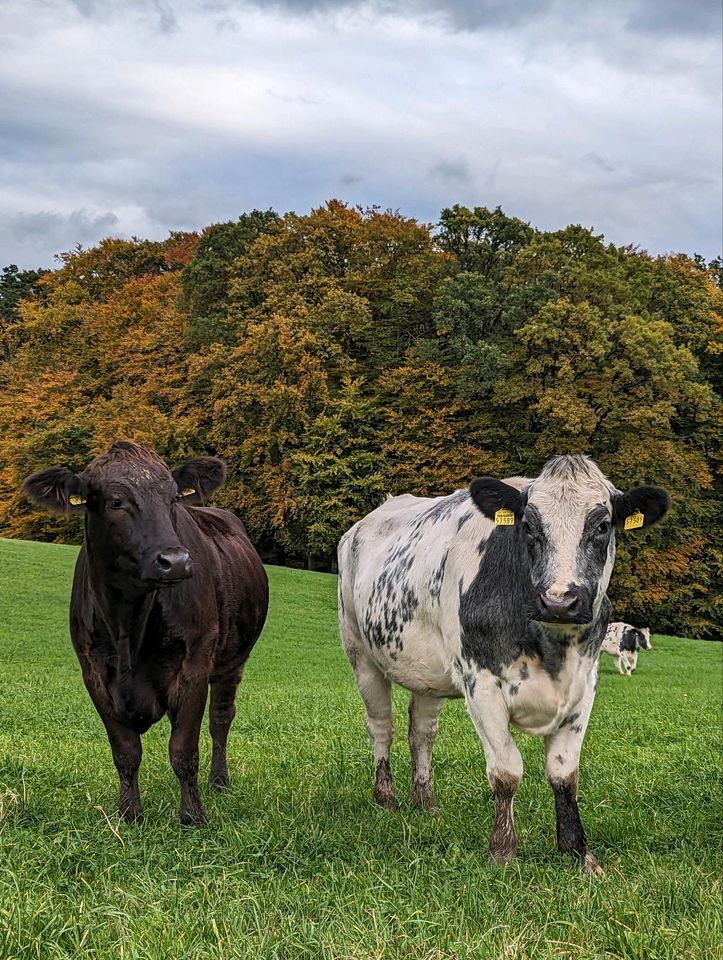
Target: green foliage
x=206 y=277
x=15 y=286
x=336 y=357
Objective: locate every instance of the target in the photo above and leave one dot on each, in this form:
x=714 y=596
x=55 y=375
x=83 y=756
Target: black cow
x=168 y=597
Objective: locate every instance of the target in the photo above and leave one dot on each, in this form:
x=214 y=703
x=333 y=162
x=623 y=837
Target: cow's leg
x=423 y=713
x=376 y=692
x=632 y=662
x=126 y=748
x=562 y=765
x=504 y=763
x=619 y=663
x=186 y=717
x=221 y=713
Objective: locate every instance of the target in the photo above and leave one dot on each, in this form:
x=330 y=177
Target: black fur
x=55 y=487
x=496 y=611
x=200 y=476
x=652 y=502
x=570 y=833
x=491 y=495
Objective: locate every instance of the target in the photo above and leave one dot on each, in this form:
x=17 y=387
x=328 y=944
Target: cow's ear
x=641 y=507
x=197 y=479
x=497 y=500
x=57 y=489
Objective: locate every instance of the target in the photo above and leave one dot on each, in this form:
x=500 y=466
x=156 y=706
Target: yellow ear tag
x=187 y=492
x=505 y=518
x=75 y=501
x=634 y=521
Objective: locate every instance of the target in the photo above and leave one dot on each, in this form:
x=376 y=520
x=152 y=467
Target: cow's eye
x=527 y=530
x=115 y=503
x=603 y=528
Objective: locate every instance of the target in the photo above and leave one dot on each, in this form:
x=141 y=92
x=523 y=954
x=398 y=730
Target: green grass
x=297 y=861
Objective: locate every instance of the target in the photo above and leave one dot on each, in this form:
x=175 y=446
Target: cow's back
x=400 y=570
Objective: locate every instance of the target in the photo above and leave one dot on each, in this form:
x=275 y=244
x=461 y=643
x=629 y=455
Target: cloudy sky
x=136 y=117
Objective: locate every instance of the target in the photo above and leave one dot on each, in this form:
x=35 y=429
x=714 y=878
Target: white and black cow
x=495 y=594
x=623 y=641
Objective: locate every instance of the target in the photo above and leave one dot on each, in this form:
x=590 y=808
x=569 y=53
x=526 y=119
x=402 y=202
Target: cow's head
x=565 y=521
x=644 y=638
x=129 y=498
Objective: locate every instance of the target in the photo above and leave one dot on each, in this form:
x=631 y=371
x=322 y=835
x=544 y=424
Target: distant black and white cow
x=496 y=594
x=623 y=641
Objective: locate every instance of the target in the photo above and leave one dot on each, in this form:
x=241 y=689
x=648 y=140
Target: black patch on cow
x=652 y=502
x=592 y=550
x=569 y=720
x=437 y=578
x=592 y=640
x=630 y=639
x=463 y=519
x=514 y=689
x=393 y=600
x=524 y=672
x=495 y=611
x=444 y=507
x=491 y=495
x=469 y=682
x=340 y=589
x=354 y=551
x=570 y=832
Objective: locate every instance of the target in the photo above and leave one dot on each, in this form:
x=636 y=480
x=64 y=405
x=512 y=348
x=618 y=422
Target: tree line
x=336 y=357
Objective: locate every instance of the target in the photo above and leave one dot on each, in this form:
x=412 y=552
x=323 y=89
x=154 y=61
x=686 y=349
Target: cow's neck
x=586 y=638
x=124 y=612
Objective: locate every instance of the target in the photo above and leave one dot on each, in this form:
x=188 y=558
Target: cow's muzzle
x=169 y=566
x=573 y=606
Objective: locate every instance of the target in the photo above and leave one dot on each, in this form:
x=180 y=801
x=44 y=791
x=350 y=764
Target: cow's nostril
x=164 y=562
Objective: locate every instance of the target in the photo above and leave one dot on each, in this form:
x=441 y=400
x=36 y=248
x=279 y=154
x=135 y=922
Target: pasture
x=297 y=861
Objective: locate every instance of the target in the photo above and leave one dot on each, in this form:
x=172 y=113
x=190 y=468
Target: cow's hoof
x=194 y=818
x=423 y=797
x=384 y=786
x=503 y=855
x=132 y=815
x=590 y=864
x=385 y=799
x=218 y=781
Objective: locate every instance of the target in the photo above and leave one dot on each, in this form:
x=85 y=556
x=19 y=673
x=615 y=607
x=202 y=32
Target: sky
x=138 y=117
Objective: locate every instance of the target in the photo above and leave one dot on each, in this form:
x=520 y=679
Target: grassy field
x=297 y=861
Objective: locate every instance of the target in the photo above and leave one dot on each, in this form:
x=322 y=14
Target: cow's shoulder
x=214 y=523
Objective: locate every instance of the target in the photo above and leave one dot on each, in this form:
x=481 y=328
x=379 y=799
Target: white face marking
x=564 y=500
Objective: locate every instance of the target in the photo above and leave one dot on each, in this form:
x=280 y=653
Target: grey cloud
x=452 y=171
x=597 y=161
x=655 y=17
x=677 y=17
x=175 y=132
x=698 y=17
x=292 y=97
x=162 y=12
x=77 y=227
